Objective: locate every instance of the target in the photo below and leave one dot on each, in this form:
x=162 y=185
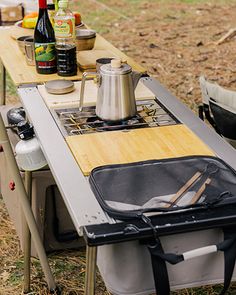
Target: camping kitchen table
x=84 y=209
x=86 y=213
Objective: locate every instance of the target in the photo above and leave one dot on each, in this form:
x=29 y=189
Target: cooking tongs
x=210 y=169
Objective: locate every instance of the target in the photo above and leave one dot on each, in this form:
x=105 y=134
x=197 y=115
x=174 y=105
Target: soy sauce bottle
x=44 y=40
x=64 y=27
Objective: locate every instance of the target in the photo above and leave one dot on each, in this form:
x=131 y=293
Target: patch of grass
x=214 y=2
x=11 y=88
x=204 y=1
x=16 y=275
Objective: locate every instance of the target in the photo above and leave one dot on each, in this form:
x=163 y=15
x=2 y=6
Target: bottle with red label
x=44 y=40
x=64 y=27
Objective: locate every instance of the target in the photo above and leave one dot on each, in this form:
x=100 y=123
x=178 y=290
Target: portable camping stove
x=150 y=113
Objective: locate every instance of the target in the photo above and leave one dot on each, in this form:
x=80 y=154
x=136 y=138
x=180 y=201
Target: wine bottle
x=44 y=42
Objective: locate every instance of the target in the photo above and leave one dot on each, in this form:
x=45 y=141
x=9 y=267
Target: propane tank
x=29 y=155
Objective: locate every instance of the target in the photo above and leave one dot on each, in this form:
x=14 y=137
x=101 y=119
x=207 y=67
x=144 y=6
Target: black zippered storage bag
x=143 y=189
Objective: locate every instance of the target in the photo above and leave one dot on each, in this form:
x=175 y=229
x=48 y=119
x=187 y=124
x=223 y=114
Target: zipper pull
x=148 y=221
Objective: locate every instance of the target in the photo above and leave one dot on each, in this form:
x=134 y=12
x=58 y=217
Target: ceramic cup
x=29 y=51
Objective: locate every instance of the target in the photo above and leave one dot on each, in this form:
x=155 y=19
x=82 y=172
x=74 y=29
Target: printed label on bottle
x=45 y=55
x=64 y=28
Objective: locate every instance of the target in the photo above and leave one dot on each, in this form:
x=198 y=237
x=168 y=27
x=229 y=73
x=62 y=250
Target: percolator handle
x=84 y=78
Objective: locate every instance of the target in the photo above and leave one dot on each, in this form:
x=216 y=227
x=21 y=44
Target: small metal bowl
x=21 y=43
x=85 y=39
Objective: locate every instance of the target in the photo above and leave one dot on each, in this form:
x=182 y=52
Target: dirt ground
x=177 y=42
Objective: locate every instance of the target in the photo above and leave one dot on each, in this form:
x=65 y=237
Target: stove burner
x=136 y=122
x=93 y=120
x=150 y=113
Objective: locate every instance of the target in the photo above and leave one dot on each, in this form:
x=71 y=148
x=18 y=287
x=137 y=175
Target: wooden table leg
x=3 y=84
x=27 y=236
x=90 y=277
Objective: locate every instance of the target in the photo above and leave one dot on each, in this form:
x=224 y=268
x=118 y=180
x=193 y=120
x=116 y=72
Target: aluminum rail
x=75 y=190
x=221 y=148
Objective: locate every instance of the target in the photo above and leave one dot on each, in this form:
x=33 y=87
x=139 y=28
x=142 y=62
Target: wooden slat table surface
x=117 y=147
x=21 y=73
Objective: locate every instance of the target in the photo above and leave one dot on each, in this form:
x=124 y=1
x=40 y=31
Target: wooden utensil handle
x=198 y=194
x=183 y=189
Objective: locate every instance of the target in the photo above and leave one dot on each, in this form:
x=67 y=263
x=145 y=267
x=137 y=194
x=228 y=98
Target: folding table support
x=7 y=149
x=27 y=235
x=3 y=84
x=90 y=277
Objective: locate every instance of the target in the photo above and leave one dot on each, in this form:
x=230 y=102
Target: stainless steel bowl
x=21 y=43
x=85 y=39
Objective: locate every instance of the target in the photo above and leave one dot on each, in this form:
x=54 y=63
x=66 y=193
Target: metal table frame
x=79 y=199
x=24 y=193
x=2 y=84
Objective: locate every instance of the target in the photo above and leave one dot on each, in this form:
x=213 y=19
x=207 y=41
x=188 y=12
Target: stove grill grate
x=150 y=113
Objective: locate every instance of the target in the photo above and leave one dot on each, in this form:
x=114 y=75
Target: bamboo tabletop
x=117 y=147
x=15 y=63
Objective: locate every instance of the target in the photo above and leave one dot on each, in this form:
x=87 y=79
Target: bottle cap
x=25 y=130
x=51 y=6
x=63 y=4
